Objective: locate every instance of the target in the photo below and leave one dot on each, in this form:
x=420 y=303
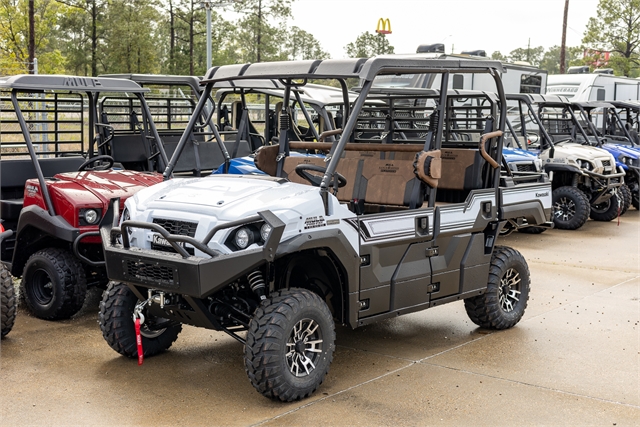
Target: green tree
x=368 y=44
x=499 y=56
x=616 y=29
x=14 y=36
x=532 y=55
x=130 y=39
x=551 y=58
x=303 y=45
x=257 y=38
x=83 y=30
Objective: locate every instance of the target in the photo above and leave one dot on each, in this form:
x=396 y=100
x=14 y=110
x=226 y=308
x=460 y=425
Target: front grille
x=606 y=163
x=526 y=167
x=153 y=274
x=182 y=228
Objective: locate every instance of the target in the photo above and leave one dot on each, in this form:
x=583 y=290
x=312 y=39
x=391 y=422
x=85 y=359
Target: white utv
x=379 y=227
x=585 y=179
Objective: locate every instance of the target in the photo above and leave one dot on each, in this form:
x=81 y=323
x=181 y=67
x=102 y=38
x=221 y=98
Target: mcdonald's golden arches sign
x=384 y=26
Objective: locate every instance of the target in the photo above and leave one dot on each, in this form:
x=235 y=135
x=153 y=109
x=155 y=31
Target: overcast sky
x=491 y=25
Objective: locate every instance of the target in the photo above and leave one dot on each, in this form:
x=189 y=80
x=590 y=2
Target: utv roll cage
x=298 y=73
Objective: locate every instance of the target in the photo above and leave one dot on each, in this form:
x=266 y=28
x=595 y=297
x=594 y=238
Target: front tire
x=608 y=210
x=504 y=302
x=118 y=329
x=571 y=208
x=625 y=192
x=290 y=345
x=54 y=284
x=7 y=300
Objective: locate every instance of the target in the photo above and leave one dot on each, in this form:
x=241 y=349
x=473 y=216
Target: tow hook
x=157 y=298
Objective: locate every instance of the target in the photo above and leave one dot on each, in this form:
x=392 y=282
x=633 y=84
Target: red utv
x=57 y=179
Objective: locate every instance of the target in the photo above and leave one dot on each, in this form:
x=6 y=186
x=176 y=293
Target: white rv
x=594 y=87
x=516 y=78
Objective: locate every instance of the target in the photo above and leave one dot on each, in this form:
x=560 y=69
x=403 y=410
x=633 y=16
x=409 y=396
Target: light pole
x=208 y=5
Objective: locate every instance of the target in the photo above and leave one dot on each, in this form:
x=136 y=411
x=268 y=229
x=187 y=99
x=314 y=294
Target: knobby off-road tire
x=625 y=192
x=532 y=230
x=7 y=300
x=570 y=208
x=635 y=199
x=608 y=210
x=290 y=344
x=54 y=284
x=118 y=329
x=503 y=305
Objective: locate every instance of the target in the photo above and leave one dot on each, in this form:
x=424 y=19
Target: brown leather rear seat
x=384 y=183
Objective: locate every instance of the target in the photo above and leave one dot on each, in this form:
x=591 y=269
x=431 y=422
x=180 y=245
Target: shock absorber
x=257 y=284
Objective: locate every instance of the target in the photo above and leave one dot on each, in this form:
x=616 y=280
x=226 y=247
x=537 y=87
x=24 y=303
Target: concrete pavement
x=573 y=359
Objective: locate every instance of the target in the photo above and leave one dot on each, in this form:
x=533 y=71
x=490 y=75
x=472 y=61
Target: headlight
x=585 y=165
x=264 y=232
x=629 y=161
x=243 y=238
x=89 y=216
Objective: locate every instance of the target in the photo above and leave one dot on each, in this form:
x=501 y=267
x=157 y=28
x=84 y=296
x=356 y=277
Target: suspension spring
x=257 y=284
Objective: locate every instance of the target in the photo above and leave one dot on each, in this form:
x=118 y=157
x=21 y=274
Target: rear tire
x=7 y=300
x=608 y=210
x=118 y=329
x=571 y=208
x=54 y=284
x=290 y=345
x=504 y=302
x=532 y=230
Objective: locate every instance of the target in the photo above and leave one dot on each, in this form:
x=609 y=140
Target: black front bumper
x=181 y=273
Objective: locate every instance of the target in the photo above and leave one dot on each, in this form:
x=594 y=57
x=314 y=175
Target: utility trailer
x=275 y=260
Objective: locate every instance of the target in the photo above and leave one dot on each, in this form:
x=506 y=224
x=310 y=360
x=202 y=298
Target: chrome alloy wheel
x=509 y=290
x=304 y=347
x=564 y=209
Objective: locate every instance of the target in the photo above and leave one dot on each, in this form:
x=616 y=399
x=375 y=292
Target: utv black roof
x=358 y=68
x=42 y=82
x=160 y=79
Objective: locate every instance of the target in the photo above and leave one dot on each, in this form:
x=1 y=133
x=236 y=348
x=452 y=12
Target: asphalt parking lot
x=573 y=360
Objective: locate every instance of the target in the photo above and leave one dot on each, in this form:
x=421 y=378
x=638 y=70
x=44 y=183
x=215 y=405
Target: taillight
x=1 y=228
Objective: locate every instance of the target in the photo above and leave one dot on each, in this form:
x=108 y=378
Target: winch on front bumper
x=180 y=272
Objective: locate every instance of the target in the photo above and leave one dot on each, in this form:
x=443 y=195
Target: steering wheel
x=109 y=159
x=303 y=171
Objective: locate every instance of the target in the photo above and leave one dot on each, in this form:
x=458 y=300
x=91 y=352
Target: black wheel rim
x=509 y=291
x=304 y=347
x=147 y=329
x=602 y=207
x=565 y=209
x=41 y=289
